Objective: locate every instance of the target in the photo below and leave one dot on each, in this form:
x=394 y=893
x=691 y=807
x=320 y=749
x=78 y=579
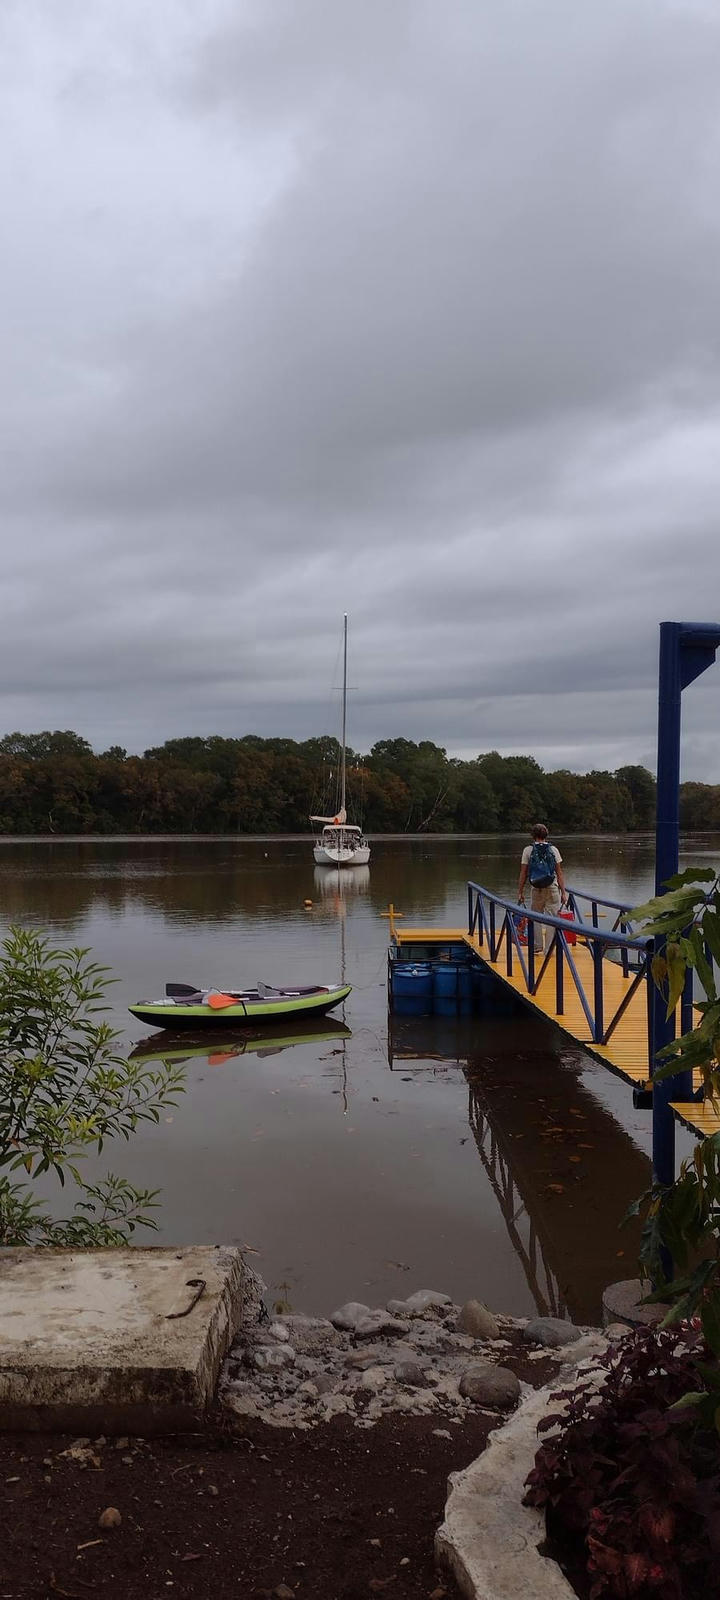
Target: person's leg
x=552 y=906
x=537 y=903
x=544 y=900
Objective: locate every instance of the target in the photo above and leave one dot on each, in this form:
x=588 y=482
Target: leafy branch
x=64 y=1091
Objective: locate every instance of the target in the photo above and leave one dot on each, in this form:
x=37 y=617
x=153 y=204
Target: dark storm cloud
x=405 y=311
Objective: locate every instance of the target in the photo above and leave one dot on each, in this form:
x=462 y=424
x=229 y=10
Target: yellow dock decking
x=626 y=1052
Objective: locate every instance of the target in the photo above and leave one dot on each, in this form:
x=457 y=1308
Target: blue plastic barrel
x=411 y=980
x=452 y=988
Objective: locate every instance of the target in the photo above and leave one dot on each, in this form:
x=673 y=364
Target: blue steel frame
x=687 y=649
x=635 y=953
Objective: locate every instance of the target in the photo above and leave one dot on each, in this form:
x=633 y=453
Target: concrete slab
x=115 y=1341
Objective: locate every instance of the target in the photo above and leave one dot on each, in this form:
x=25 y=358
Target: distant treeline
x=55 y=783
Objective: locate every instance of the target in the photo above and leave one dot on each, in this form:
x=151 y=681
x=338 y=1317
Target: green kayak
x=186 y=1007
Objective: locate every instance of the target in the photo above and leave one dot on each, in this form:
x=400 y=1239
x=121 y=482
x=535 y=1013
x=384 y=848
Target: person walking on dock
x=541 y=864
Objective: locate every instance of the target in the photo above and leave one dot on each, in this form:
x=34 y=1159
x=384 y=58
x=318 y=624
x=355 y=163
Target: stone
x=552 y=1332
x=310 y=1335
x=429 y=1336
x=410 y=1373
x=400 y=1350
x=622 y=1302
x=378 y=1322
x=347 y=1317
x=374 y=1379
x=476 y=1320
x=109 y=1518
x=420 y=1303
x=278 y=1330
x=324 y=1383
x=284 y=1592
x=269 y=1358
x=108 y=1341
x=372 y=1356
x=491 y=1386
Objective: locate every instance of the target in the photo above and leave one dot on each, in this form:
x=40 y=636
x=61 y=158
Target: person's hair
x=540 y=831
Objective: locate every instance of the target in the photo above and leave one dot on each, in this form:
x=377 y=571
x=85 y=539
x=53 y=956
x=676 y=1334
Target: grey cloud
x=397 y=310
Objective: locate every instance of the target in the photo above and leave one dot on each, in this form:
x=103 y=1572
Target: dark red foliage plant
x=630 y=1486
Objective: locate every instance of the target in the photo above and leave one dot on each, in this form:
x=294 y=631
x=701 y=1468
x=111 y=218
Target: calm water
x=368 y=1161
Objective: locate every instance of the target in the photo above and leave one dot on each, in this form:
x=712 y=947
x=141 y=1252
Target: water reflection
x=219 y=1048
x=562 y=1170
x=334 y=884
x=334 y=1167
x=215 y=880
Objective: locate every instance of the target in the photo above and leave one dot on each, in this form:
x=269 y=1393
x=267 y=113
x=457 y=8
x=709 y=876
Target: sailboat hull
x=341 y=856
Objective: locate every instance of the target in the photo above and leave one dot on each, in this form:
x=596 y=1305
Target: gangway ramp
x=594 y=984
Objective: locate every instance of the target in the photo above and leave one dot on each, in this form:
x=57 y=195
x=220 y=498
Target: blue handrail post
x=598 y=1007
x=687 y=649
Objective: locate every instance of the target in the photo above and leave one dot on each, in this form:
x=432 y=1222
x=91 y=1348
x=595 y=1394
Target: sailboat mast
x=344 y=714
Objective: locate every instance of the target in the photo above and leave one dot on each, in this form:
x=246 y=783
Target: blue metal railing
x=496 y=921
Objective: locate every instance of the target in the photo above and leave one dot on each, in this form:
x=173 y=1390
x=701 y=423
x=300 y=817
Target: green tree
x=641 y=787
x=475 y=804
x=518 y=783
x=64 y=1091
x=700 y=807
x=38 y=746
x=428 y=775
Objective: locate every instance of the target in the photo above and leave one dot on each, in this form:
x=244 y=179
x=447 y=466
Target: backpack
x=541 y=866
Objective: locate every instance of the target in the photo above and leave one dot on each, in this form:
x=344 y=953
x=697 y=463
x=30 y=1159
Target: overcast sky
x=393 y=307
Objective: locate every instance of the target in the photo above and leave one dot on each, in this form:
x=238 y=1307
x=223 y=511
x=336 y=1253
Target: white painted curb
x=489 y=1540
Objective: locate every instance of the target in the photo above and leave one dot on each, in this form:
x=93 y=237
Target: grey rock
x=370 y=1355
x=324 y=1383
x=374 y=1379
x=376 y=1323
x=401 y=1350
x=478 y=1321
x=279 y=1331
x=410 y=1373
x=348 y=1316
x=491 y=1386
x=436 y=1339
x=551 y=1332
x=271 y=1358
x=309 y=1334
x=420 y=1303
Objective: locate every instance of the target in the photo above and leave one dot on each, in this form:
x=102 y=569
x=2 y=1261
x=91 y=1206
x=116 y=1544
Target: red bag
x=520 y=928
x=569 y=916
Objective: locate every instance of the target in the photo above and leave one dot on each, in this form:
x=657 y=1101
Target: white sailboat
x=341 y=843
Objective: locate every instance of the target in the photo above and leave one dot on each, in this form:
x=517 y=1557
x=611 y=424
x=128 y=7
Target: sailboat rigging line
x=341 y=843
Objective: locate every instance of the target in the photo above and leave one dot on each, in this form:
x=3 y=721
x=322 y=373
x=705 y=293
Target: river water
x=485 y=1157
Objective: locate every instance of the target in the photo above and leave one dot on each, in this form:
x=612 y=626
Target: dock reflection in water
x=562 y=1169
